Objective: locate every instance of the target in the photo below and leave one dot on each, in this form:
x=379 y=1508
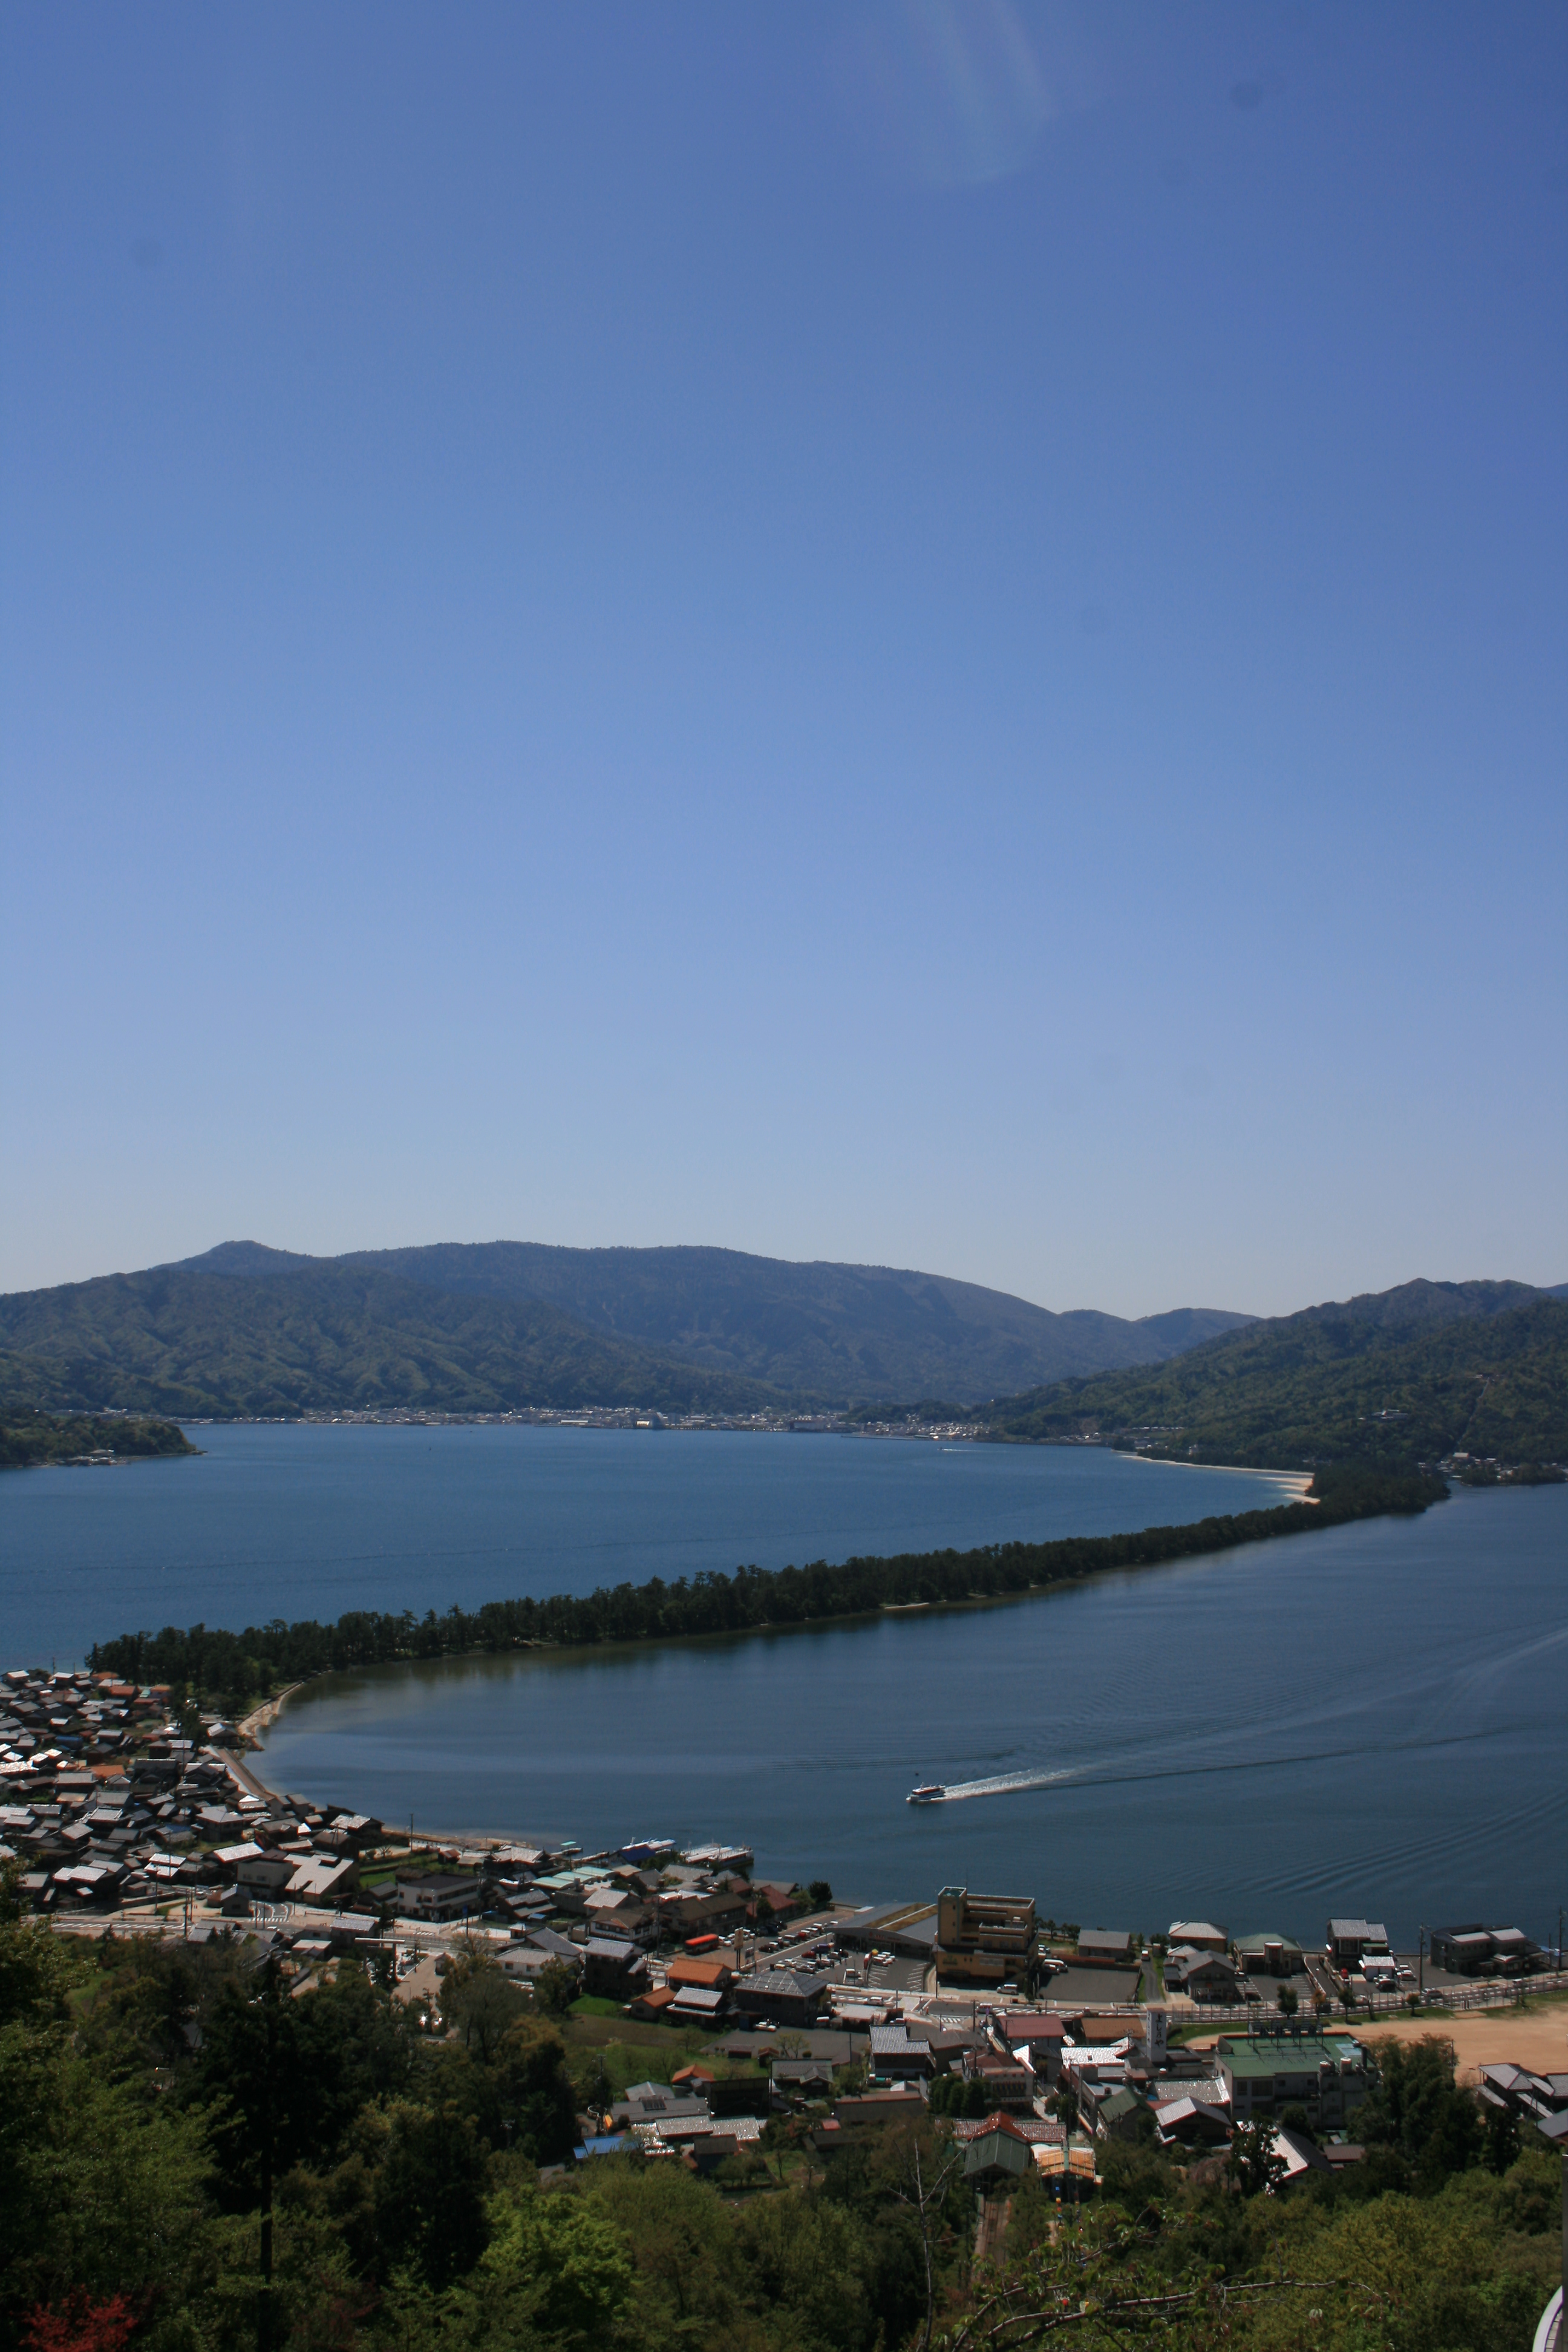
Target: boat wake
x=1005 y=1784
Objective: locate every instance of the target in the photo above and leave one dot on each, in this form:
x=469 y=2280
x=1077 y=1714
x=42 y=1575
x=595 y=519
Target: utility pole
x=1421 y=1964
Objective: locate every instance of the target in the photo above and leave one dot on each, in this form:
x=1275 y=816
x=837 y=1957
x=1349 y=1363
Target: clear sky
x=929 y=632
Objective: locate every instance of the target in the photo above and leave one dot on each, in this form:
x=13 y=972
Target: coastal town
x=1041 y=2041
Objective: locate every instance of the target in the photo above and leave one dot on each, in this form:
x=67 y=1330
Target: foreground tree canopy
x=197 y=2157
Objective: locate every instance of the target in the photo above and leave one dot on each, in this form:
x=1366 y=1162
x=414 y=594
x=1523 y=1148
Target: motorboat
x=930 y=1792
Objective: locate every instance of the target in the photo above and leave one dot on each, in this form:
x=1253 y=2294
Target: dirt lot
x=1536 y=2037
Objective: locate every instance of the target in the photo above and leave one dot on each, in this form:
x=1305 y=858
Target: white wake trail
x=1005 y=1784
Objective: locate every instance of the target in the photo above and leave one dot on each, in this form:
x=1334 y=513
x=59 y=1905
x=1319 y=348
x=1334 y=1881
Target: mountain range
x=1416 y=1372
x=1421 y=1372
x=491 y=1327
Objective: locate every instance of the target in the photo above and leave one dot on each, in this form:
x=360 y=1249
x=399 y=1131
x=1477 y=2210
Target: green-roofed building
x=1327 y=2073
x=994 y=2159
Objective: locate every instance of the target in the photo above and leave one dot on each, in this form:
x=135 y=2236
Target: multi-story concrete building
x=1327 y=2073
x=983 y=1938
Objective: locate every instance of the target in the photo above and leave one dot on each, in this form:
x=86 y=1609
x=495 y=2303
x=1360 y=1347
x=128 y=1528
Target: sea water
x=1368 y=1720
x=310 y=1521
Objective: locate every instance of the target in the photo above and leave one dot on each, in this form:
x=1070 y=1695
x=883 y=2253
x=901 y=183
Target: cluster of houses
x=1027 y=2092
x=107 y=1803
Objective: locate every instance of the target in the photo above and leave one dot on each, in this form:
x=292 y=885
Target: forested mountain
x=1422 y=1371
x=335 y=1338
x=246 y=1329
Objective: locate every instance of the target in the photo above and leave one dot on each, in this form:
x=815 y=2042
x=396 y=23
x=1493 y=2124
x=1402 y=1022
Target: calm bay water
x=309 y=1522
x=1366 y=1720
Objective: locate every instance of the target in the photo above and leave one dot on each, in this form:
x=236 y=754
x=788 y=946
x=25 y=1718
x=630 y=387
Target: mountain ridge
x=817 y=1327
x=243 y=1329
x=1423 y=1371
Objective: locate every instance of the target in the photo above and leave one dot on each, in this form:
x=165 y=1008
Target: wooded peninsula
x=28 y=1439
x=235 y=1669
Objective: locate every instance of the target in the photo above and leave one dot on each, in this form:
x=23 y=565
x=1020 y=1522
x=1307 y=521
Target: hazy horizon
x=920 y=635
x=883 y=1265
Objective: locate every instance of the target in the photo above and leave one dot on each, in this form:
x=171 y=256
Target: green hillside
x=332 y=1338
x=1420 y=1372
x=818 y=1329
x=248 y=1331
x=29 y=1438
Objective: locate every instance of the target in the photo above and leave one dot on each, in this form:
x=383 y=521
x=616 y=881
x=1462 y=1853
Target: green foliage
x=479 y=2001
x=1412 y=1375
x=331 y=1338
x=102 y=2190
x=819 y=1894
x=409 y=2216
x=27 y=1437
x=554 y=2264
x=428 y=2195
x=1254 y=2162
x=1194 y=2270
x=481 y=1329
x=555 y=1988
x=1418 y=2114
x=285 y=2077
x=239 y=1666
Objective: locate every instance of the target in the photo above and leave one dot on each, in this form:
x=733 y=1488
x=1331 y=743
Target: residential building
x=263 y=1874
x=683 y=1914
x=1009 y=2082
x=689 y=1972
x=1270 y=1955
x=1478 y=1951
x=1350 y=1941
x=698 y=2005
x=618 y=1910
x=1039 y=2037
x=613 y=1968
x=1537 y=2098
x=323 y=1878
x=1201 y=1935
x=1105 y=1948
x=434 y=1894
x=1189 y=2122
x=1200 y=1975
x=525 y=1963
x=894 y=2053
x=1106 y=2032
x=653 y=2006
x=802 y=2078
x=1117 y=2115
x=998 y=2159
x=780 y=1995
x=1299 y=2155
x=879 y=2107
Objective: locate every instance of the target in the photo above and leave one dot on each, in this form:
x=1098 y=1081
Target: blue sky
x=928 y=633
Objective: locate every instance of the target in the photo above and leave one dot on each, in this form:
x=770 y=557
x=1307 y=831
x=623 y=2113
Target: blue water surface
x=310 y=1521
x=1366 y=1721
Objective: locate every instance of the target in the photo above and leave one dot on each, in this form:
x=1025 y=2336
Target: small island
x=29 y=1437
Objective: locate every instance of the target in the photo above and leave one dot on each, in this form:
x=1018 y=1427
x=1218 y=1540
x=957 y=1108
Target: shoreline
x=1298 y=1482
